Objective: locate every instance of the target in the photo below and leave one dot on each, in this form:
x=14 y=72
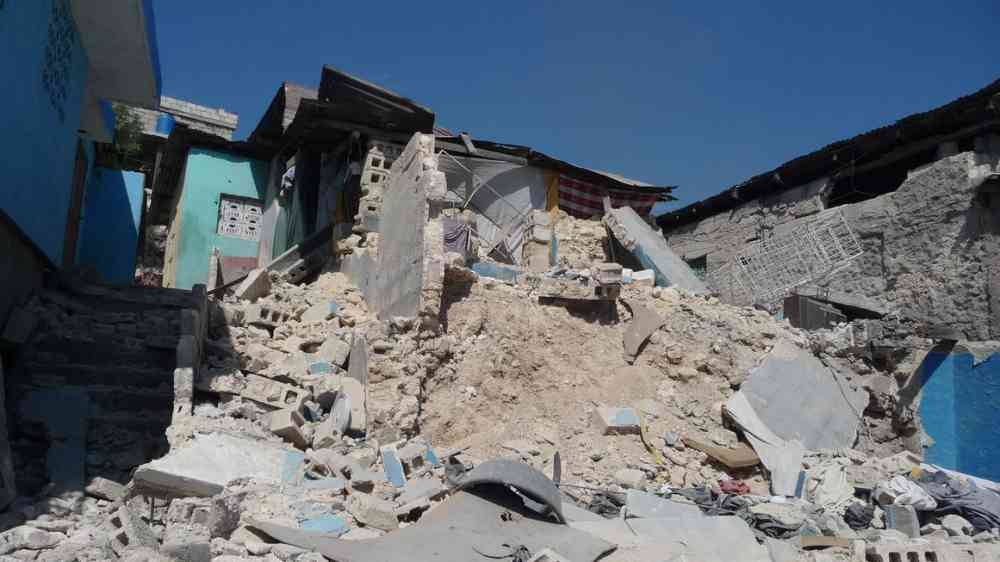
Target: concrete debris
x=651 y=249
x=308 y=430
x=256 y=285
x=645 y=321
x=617 y=421
x=105 y=489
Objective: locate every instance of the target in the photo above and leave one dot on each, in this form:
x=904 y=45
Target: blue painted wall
x=208 y=175
x=109 y=230
x=960 y=410
x=38 y=135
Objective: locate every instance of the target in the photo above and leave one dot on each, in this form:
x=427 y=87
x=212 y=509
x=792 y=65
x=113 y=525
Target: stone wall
x=210 y=120
x=931 y=247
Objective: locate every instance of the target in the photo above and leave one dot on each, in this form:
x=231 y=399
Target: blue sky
x=697 y=94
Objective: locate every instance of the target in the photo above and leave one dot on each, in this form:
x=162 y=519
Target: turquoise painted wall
x=960 y=411
x=208 y=175
x=41 y=116
x=109 y=230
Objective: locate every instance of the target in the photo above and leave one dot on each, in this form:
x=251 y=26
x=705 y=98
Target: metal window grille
x=769 y=268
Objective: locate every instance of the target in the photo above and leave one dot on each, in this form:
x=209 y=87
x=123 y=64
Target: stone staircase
x=91 y=390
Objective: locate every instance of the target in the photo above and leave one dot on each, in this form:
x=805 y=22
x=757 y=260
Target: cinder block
x=909 y=552
x=903 y=518
x=286 y=423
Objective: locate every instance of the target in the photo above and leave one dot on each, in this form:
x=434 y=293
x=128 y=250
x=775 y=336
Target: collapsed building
x=902 y=221
x=379 y=340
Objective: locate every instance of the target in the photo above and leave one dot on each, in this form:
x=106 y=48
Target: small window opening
x=854 y=188
x=699 y=266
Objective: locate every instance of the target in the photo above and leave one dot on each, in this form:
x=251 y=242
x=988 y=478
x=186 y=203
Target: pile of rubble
x=522 y=427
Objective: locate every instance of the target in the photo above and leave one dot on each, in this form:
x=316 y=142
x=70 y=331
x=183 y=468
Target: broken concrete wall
x=647 y=246
x=409 y=268
x=929 y=247
x=960 y=390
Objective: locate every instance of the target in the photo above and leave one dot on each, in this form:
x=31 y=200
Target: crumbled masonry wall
x=409 y=267
x=932 y=248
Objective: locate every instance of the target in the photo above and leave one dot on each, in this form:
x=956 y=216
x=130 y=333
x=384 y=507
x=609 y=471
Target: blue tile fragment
x=327 y=524
x=625 y=416
x=431 y=457
x=291 y=466
x=393 y=468
x=320 y=368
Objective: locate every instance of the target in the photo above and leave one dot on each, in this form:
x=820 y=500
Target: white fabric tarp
x=516 y=191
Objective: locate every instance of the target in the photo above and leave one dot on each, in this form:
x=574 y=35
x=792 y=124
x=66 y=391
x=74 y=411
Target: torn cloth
x=457 y=236
x=903 y=491
x=979 y=506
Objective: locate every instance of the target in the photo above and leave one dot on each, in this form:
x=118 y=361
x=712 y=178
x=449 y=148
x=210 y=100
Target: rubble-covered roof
x=353 y=100
x=966 y=116
x=281 y=112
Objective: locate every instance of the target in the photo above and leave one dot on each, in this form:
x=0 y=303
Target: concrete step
x=51 y=350
x=110 y=376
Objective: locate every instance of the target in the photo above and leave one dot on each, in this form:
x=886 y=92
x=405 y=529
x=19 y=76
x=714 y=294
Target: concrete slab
x=257 y=284
x=799 y=398
x=686 y=538
x=651 y=249
x=203 y=466
x=644 y=322
x=454 y=532
x=645 y=505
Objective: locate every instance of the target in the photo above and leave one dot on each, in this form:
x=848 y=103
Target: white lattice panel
x=239 y=218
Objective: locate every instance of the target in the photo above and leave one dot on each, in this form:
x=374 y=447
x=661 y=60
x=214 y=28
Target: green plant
x=128 y=137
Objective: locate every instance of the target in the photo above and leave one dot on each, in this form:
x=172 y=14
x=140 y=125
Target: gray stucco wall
x=932 y=247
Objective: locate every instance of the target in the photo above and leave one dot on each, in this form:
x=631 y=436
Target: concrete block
x=334 y=350
x=286 y=423
x=902 y=518
x=329 y=432
x=130 y=531
x=607 y=273
x=356 y=392
x=325 y=390
x=617 y=421
x=630 y=478
x=272 y=393
x=908 y=552
x=256 y=285
x=105 y=489
x=371 y=511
